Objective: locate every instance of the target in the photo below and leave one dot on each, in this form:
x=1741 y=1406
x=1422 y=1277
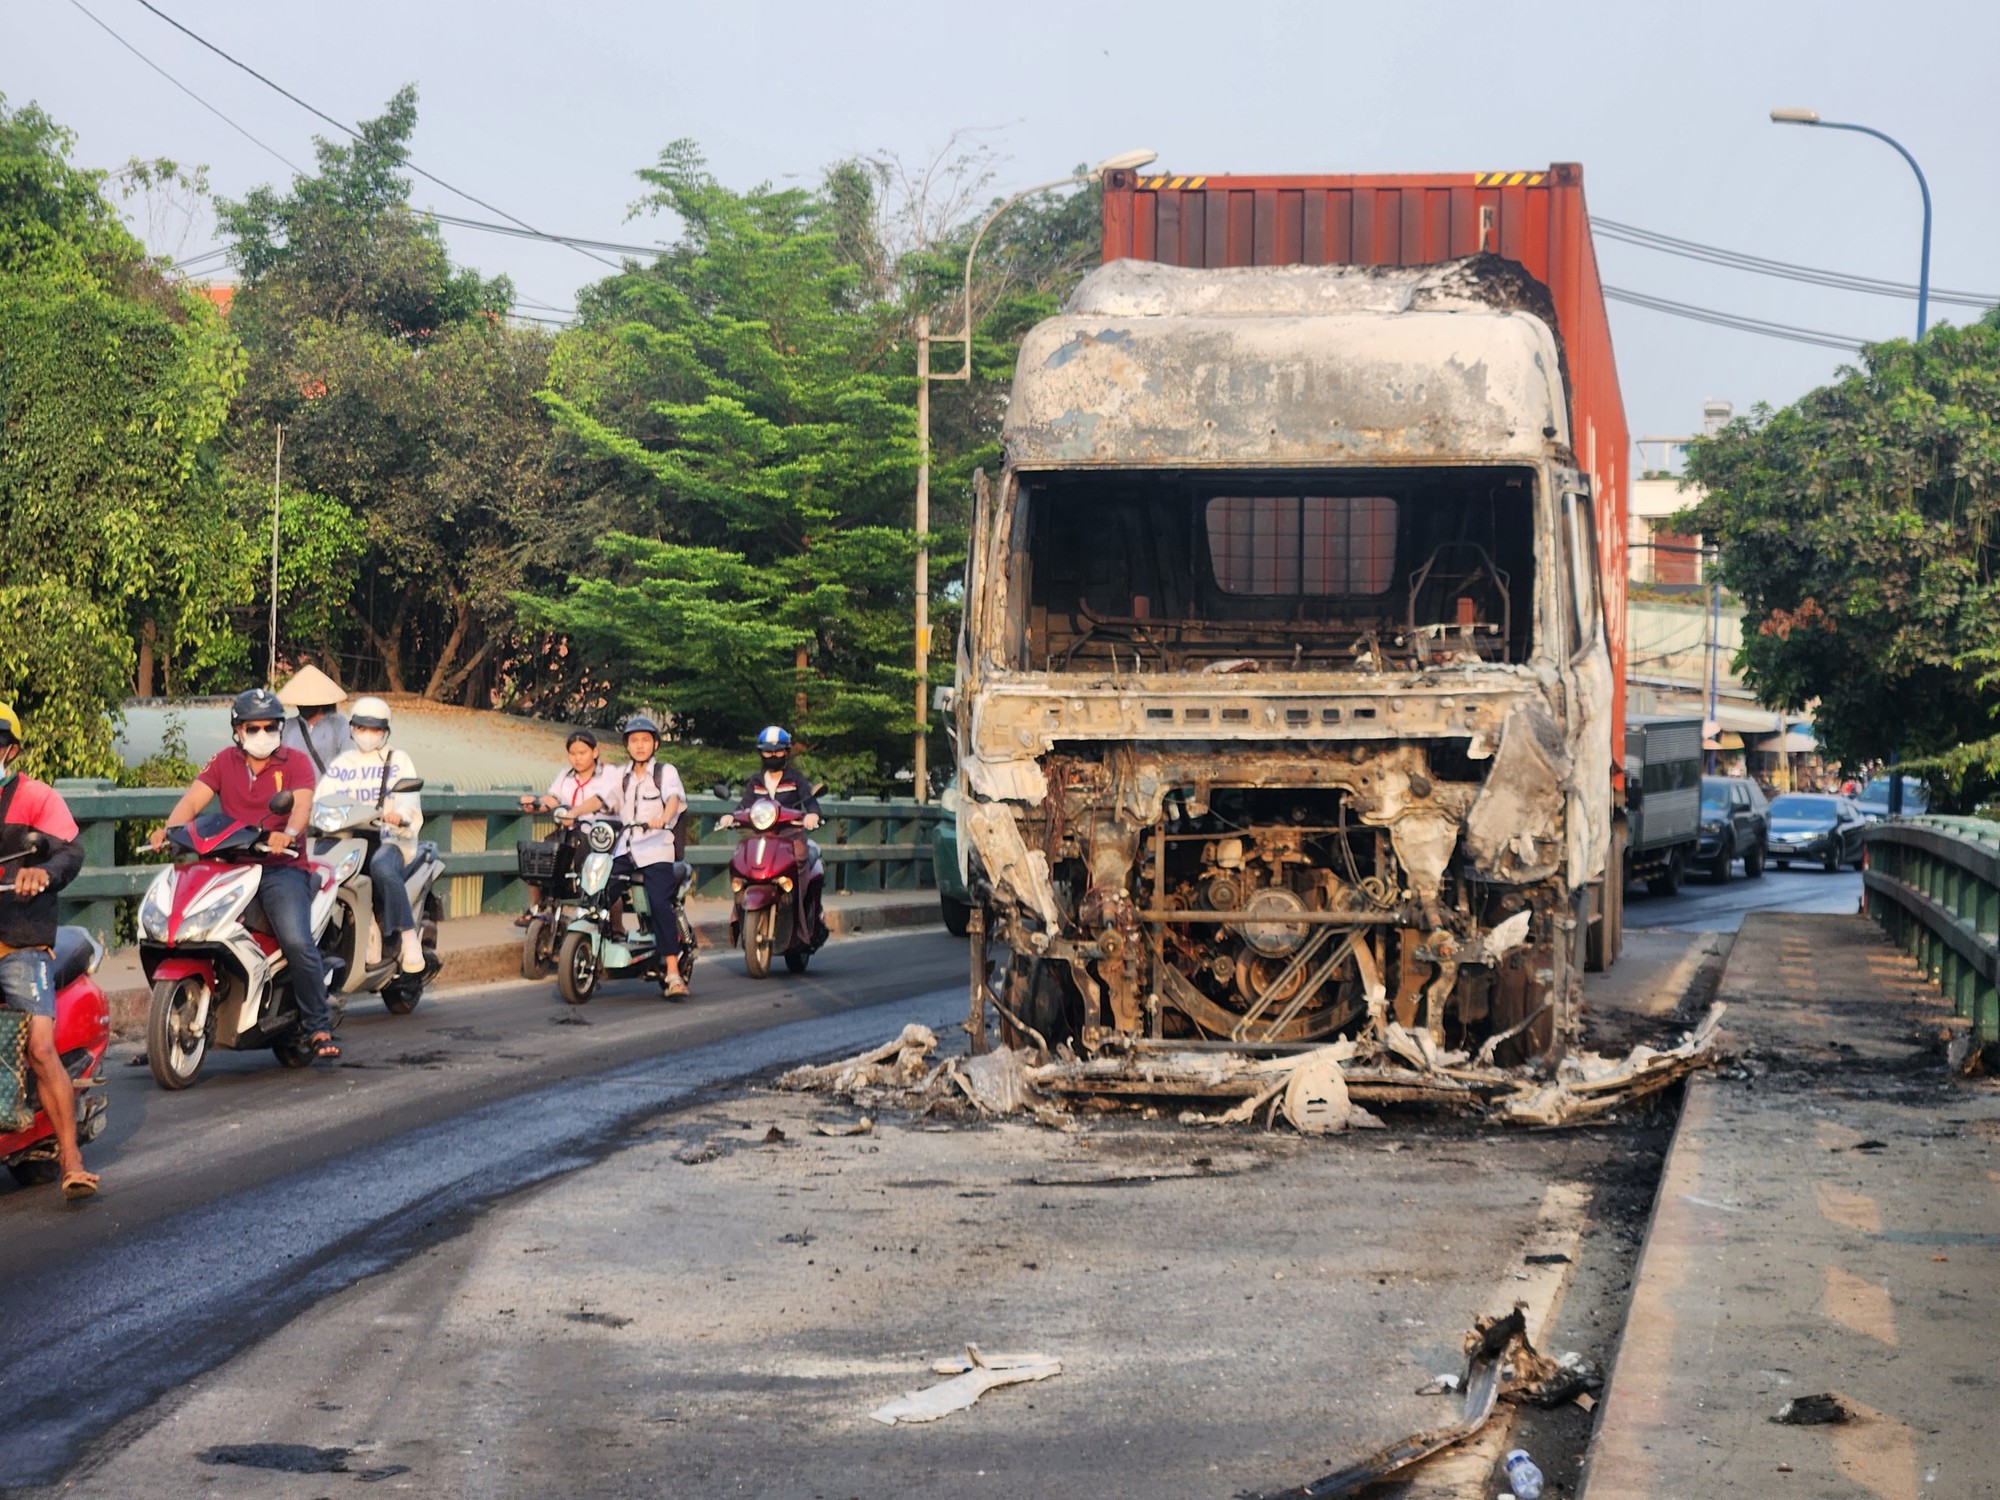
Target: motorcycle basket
x=536 y=858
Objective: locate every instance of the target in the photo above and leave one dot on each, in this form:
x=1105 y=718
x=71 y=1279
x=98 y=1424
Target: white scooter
x=347 y=831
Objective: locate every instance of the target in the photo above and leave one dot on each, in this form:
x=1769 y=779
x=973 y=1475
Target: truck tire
x=1607 y=933
x=1668 y=881
x=957 y=915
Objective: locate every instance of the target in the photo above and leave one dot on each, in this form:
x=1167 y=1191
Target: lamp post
x=1811 y=117
x=920 y=760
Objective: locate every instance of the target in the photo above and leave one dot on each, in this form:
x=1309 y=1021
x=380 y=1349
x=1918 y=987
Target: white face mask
x=262 y=744
x=370 y=739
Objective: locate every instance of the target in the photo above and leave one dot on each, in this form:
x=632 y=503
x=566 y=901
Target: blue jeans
x=287 y=894
x=387 y=870
x=28 y=981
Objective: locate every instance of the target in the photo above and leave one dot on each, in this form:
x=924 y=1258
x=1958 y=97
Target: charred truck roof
x=1292 y=366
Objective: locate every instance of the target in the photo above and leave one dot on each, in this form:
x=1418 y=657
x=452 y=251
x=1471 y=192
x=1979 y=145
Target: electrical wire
x=1874 y=286
x=1735 y=320
x=106 y=29
x=402 y=156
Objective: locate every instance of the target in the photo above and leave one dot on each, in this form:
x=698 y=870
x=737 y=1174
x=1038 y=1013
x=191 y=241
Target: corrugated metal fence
x=1934 y=885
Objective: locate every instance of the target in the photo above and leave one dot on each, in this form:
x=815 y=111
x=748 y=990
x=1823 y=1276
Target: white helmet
x=369 y=713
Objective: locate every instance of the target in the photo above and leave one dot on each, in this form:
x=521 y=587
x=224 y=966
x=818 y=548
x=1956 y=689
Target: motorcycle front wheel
x=759 y=927
x=577 y=969
x=175 y=1046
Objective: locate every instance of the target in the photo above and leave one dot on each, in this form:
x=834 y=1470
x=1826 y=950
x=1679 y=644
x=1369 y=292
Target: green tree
x=1861 y=528
x=410 y=421
x=114 y=384
x=751 y=391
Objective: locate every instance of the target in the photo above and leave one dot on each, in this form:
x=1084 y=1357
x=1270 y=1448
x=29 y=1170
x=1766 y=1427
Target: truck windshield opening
x=1350 y=570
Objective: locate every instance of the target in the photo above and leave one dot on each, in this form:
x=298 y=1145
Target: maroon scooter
x=777 y=880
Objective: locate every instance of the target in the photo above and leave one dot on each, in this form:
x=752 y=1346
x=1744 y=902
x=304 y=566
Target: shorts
x=28 y=981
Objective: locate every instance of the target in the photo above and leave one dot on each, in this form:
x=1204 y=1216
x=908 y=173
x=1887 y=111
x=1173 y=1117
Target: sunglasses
x=267 y=727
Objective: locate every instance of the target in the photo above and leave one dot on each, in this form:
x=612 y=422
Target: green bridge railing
x=1934 y=885
x=869 y=844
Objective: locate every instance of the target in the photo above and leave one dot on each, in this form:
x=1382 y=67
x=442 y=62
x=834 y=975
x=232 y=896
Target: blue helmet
x=773 y=740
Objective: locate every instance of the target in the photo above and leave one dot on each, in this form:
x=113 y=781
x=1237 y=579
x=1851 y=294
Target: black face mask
x=774 y=762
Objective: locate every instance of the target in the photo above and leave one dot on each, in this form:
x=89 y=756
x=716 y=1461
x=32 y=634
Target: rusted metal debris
x=1319 y=1091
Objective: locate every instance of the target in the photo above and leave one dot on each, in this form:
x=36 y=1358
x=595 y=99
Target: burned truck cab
x=1283 y=693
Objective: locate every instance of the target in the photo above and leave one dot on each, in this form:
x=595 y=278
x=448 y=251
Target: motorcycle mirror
x=819 y=791
x=409 y=784
x=723 y=789
x=282 y=803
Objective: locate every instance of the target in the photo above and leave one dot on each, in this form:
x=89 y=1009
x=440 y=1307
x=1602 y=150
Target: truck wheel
x=957 y=915
x=1753 y=861
x=1607 y=933
x=1668 y=881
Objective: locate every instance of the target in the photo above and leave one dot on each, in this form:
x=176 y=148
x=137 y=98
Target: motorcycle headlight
x=596 y=872
x=216 y=905
x=327 y=819
x=155 y=909
x=763 y=815
x=601 y=837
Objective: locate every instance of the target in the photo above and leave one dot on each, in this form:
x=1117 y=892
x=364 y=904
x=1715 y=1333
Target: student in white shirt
x=649 y=797
x=586 y=778
x=366 y=773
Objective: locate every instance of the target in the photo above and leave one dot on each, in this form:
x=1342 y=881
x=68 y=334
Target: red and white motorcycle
x=219 y=978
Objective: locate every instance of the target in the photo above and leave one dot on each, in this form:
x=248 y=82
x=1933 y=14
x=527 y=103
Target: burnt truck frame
x=1283 y=697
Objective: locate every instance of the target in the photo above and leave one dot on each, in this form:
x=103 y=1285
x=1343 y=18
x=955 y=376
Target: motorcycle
x=553 y=865
x=219 y=978
x=347 y=831
x=777 y=883
x=589 y=952
x=83 y=1031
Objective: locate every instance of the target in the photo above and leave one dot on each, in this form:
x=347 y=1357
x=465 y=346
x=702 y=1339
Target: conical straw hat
x=309 y=686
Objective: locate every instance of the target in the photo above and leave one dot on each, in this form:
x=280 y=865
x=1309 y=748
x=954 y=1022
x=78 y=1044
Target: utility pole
x=920 y=759
x=277 y=479
x=1714 y=649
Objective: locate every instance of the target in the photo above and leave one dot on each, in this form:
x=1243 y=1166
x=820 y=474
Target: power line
x=1874 y=286
x=186 y=90
x=1736 y=320
x=401 y=155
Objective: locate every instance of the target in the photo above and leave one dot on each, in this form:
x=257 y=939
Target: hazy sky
x=546 y=111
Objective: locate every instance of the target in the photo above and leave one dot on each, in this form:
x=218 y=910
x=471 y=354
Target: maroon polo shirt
x=246 y=798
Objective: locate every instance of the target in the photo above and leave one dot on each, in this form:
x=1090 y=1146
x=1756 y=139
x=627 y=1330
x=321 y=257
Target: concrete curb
x=487 y=960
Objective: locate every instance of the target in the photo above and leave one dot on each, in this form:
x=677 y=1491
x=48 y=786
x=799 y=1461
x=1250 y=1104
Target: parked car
x=1873 y=800
x=1816 y=825
x=954 y=900
x=1735 y=824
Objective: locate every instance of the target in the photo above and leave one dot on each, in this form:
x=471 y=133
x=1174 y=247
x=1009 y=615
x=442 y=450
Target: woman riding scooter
x=777 y=781
x=366 y=774
x=648 y=797
x=585 y=778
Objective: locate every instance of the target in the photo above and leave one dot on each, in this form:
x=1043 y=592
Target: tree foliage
x=114 y=384
x=1861 y=528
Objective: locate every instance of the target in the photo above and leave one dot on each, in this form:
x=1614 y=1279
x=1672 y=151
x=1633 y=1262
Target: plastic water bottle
x=1523 y=1478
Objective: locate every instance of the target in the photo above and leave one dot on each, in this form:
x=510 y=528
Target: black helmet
x=641 y=724
x=253 y=704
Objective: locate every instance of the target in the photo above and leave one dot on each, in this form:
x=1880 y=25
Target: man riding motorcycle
x=246 y=775
x=366 y=774
x=28 y=935
x=649 y=797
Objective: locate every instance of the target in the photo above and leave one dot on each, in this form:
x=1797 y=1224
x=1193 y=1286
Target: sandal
x=78 y=1185
x=322 y=1045
x=673 y=987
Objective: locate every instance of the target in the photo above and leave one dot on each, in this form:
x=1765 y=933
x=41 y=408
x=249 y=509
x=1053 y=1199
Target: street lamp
x=1127 y=161
x=1811 y=117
